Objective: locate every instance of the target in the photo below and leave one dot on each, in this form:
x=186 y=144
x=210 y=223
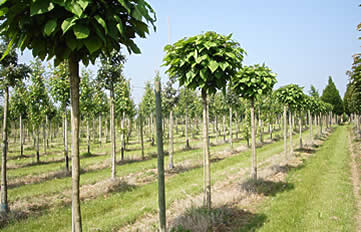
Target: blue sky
x=304 y=42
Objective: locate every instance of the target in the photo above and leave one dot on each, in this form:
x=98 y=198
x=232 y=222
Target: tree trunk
x=122 y=128
x=285 y=131
x=141 y=135
x=253 y=138
x=207 y=202
x=161 y=181
x=311 y=126
x=21 y=135
x=112 y=134
x=291 y=131
x=271 y=131
x=151 y=129
x=100 y=129
x=186 y=129
x=65 y=136
x=4 y=208
x=44 y=137
x=230 y=127
x=37 y=146
x=47 y=131
x=171 y=147
x=224 y=128
x=75 y=117
x=106 y=129
x=260 y=124
x=236 y=121
x=87 y=136
x=300 y=128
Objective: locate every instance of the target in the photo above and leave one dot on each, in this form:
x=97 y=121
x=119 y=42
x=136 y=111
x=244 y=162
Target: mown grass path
x=322 y=198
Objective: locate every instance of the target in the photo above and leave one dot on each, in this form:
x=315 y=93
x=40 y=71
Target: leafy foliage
x=253 y=81
x=83 y=28
x=331 y=95
x=205 y=61
x=59 y=84
x=87 y=91
x=291 y=95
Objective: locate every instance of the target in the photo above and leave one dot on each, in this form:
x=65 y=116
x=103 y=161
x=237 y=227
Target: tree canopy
x=331 y=95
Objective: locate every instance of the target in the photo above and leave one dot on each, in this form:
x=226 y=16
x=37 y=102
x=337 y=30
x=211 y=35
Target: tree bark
x=230 y=127
x=75 y=117
x=260 y=123
x=21 y=135
x=253 y=138
x=291 y=130
x=106 y=129
x=171 y=147
x=4 y=208
x=161 y=181
x=311 y=126
x=151 y=129
x=186 y=129
x=141 y=135
x=207 y=202
x=122 y=136
x=285 y=131
x=112 y=134
x=300 y=130
x=37 y=146
x=87 y=136
x=44 y=137
x=100 y=129
x=65 y=136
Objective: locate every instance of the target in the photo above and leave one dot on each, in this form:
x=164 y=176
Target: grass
x=111 y=211
x=322 y=198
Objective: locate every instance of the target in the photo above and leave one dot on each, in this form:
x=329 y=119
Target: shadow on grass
x=266 y=187
x=224 y=218
x=308 y=150
x=287 y=168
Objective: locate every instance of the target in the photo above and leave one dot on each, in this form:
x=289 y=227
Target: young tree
x=37 y=100
x=60 y=92
x=75 y=31
x=331 y=95
x=207 y=62
x=87 y=103
x=170 y=100
x=10 y=73
x=314 y=92
x=147 y=107
x=290 y=96
x=250 y=82
x=109 y=74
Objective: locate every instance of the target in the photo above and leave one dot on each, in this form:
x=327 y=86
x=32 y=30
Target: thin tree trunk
x=37 y=146
x=207 y=202
x=224 y=128
x=141 y=136
x=4 y=208
x=65 y=136
x=260 y=124
x=106 y=129
x=21 y=135
x=311 y=126
x=87 y=136
x=291 y=131
x=285 y=131
x=75 y=117
x=44 y=138
x=253 y=138
x=186 y=129
x=161 y=181
x=47 y=131
x=230 y=127
x=171 y=147
x=112 y=134
x=122 y=137
x=237 y=127
x=100 y=129
x=151 y=129
x=300 y=128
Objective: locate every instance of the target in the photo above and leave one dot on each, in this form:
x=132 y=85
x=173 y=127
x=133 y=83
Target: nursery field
x=309 y=191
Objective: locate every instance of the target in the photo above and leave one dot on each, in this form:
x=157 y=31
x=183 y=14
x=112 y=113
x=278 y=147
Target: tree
x=37 y=100
x=60 y=92
x=147 y=107
x=290 y=96
x=10 y=73
x=331 y=95
x=74 y=31
x=207 y=62
x=250 y=82
x=170 y=99
x=87 y=104
x=314 y=92
x=109 y=74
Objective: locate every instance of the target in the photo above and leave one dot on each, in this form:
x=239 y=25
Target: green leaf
x=93 y=44
x=83 y=3
x=125 y=5
x=134 y=47
x=40 y=7
x=120 y=29
x=3 y=11
x=203 y=74
x=67 y=24
x=50 y=27
x=213 y=65
x=224 y=65
x=101 y=21
x=10 y=45
x=74 y=8
x=71 y=43
x=81 y=31
x=3 y=1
